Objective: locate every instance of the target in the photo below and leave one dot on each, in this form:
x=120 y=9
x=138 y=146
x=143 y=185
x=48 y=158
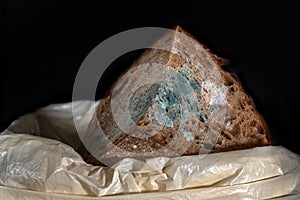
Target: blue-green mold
x=138 y=104
x=195 y=85
x=185 y=70
x=171 y=99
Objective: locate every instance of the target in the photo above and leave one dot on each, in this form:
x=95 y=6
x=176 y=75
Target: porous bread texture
x=240 y=126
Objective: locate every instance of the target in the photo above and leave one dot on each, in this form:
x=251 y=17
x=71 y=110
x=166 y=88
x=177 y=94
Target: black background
x=48 y=40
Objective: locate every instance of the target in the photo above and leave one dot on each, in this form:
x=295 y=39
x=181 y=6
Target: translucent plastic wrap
x=32 y=166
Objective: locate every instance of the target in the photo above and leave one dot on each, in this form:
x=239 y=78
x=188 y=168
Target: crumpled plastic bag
x=38 y=161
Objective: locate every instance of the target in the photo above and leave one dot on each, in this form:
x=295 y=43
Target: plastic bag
x=37 y=161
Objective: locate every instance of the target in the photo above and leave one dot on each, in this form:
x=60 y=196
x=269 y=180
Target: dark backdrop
x=48 y=40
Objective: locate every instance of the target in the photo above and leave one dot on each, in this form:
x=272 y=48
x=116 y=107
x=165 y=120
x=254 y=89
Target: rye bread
x=220 y=107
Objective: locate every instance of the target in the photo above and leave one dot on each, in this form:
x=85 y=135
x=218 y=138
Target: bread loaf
x=178 y=102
